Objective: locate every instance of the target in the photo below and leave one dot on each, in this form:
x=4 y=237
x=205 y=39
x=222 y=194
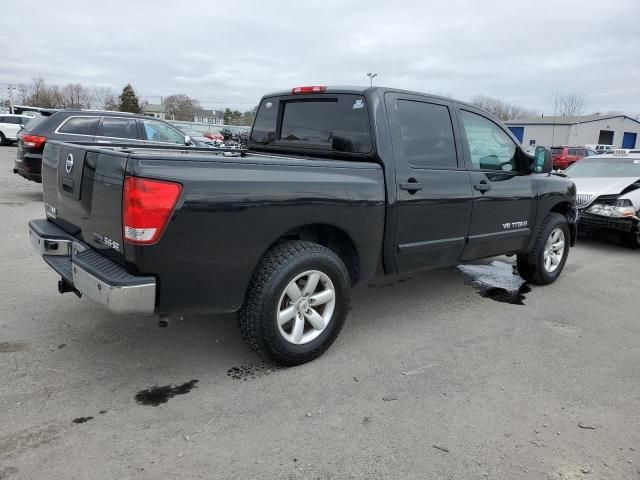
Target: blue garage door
x=518 y=132
x=629 y=140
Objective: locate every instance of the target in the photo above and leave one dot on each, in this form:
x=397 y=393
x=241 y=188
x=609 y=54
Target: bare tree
x=38 y=93
x=105 y=98
x=180 y=107
x=571 y=105
x=503 y=110
x=74 y=95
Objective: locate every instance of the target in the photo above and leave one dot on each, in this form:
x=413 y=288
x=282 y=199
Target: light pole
x=371 y=77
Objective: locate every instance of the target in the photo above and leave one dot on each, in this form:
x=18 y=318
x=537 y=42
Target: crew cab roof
x=361 y=90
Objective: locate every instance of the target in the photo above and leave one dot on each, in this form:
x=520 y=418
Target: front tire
x=548 y=257
x=3 y=139
x=632 y=240
x=296 y=303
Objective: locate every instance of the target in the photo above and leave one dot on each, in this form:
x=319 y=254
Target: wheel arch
x=330 y=236
x=569 y=211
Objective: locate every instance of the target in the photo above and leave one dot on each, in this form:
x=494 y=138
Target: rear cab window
x=324 y=122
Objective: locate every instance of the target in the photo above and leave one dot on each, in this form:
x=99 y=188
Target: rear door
x=118 y=130
x=504 y=190
x=433 y=188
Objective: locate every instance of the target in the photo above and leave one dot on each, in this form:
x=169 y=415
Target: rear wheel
x=546 y=260
x=296 y=303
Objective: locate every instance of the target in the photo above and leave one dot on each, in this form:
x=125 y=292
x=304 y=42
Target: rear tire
x=296 y=303
x=546 y=261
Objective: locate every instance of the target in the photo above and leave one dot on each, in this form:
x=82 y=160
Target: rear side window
x=427 y=134
x=573 y=151
x=557 y=151
x=79 y=126
x=335 y=123
x=119 y=128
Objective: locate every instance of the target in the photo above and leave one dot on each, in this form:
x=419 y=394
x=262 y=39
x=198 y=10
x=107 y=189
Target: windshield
x=606 y=167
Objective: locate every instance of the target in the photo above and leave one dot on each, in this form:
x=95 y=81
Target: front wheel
x=3 y=139
x=632 y=240
x=296 y=303
x=547 y=259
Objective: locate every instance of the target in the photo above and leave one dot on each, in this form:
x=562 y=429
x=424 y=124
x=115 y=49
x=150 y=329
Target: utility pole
x=10 y=89
x=371 y=77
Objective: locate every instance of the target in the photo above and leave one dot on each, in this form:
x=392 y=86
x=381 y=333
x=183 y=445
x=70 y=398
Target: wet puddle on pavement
x=154 y=396
x=498 y=281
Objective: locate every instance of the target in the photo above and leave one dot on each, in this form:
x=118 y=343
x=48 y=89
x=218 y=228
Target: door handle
x=412 y=186
x=482 y=187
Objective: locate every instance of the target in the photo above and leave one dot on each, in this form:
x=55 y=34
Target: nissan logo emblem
x=68 y=165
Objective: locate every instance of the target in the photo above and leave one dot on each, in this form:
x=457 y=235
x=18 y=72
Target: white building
x=617 y=130
x=155 y=110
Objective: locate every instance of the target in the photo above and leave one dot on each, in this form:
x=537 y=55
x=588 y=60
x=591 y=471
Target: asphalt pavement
x=428 y=379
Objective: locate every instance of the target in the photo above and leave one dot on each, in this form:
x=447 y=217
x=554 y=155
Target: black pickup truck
x=337 y=185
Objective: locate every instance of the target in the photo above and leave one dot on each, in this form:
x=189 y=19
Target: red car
x=564 y=157
x=214 y=136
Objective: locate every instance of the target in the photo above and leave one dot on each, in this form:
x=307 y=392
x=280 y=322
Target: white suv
x=10 y=125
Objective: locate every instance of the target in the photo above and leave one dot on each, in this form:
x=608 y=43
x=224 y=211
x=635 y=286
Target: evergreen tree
x=128 y=100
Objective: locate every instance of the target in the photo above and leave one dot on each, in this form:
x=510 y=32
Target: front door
x=432 y=186
x=504 y=190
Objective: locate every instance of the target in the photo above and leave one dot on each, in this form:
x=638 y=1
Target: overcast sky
x=232 y=52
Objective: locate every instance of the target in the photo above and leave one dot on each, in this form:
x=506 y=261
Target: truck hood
x=590 y=188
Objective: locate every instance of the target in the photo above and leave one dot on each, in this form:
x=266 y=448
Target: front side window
x=160 y=132
x=119 y=128
x=79 y=126
x=427 y=134
x=490 y=147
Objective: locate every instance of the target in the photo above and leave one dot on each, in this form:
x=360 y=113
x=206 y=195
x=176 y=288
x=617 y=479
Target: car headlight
x=623 y=208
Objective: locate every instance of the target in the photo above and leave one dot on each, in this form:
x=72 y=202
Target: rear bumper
x=85 y=271
x=28 y=165
x=34 y=177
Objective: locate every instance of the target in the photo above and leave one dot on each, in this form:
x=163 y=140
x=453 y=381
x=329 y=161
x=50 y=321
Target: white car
x=10 y=125
x=608 y=194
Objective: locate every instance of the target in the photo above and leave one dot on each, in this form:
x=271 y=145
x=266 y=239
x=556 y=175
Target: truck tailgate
x=83 y=194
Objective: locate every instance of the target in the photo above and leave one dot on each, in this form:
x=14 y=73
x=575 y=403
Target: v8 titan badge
x=68 y=164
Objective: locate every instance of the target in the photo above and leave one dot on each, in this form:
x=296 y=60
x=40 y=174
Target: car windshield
x=606 y=167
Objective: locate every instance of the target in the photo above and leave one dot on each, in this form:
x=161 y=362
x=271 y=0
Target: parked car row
x=98 y=127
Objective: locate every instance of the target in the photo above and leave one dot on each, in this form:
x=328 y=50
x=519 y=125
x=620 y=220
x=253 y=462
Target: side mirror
x=543 y=162
x=187 y=140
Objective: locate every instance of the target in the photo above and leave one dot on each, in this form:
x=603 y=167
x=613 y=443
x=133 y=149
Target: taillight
x=32 y=141
x=311 y=89
x=147 y=206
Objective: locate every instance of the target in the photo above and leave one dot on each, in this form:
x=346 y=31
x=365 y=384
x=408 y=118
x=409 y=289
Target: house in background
x=155 y=110
x=618 y=130
x=202 y=115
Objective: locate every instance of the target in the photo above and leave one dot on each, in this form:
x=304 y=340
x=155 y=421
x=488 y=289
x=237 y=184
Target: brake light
x=32 y=141
x=310 y=89
x=147 y=206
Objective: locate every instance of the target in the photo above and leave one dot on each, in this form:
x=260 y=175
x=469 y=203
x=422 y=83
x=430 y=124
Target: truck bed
x=228 y=204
